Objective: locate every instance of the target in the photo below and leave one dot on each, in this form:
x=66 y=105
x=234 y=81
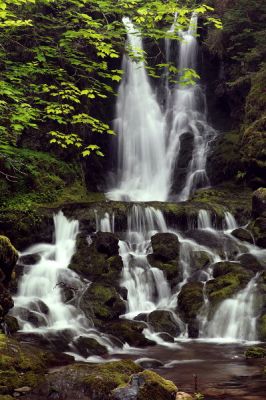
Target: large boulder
x=190 y=301
x=98 y=260
x=127 y=331
x=102 y=302
x=243 y=235
x=165 y=246
x=165 y=255
x=229 y=278
x=164 y=321
x=199 y=260
x=88 y=346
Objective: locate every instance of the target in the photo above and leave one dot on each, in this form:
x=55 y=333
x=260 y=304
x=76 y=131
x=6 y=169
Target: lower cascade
x=39 y=304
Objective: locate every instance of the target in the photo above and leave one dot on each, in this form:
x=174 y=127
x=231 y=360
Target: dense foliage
x=58 y=59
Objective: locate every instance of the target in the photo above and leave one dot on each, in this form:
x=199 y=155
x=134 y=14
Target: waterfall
x=235 y=318
x=204 y=220
x=140 y=127
x=147 y=286
x=149 y=138
x=230 y=222
x=39 y=305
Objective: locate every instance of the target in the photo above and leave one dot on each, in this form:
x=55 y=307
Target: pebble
x=183 y=396
x=24 y=389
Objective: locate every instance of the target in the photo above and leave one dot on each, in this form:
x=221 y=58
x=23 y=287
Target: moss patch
x=19 y=366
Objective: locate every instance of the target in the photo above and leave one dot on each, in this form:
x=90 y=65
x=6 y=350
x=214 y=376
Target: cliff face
x=238 y=54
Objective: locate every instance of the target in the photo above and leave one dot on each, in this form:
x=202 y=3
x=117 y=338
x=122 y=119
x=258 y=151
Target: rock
x=170 y=269
x=229 y=279
x=88 y=346
x=128 y=332
x=166 y=337
x=165 y=255
x=225 y=267
x=258 y=228
x=190 y=301
x=255 y=352
x=102 y=302
x=183 y=396
x=243 y=235
x=165 y=246
x=200 y=260
x=36 y=318
x=164 y=321
x=250 y=262
x=259 y=202
x=98 y=261
x=8 y=258
x=149 y=363
x=29 y=259
x=11 y=324
x=22 y=367
x=146 y=385
x=6 y=301
x=106 y=243
x=217 y=241
x=24 y=389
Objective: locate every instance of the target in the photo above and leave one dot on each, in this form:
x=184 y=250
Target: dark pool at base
x=222 y=370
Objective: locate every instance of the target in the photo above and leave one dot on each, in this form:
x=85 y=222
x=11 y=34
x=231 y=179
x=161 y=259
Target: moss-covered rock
x=190 y=301
x=99 y=260
x=19 y=366
x=229 y=279
x=200 y=260
x=164 y=321
x=102 y=302
x=165 y=246
x=165 y=255
x=255 y=352
x=145 y=386
x=88 y=346
x=127 y=331
x=8 y=258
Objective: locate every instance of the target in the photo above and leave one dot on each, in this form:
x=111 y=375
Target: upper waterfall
x=151 y=162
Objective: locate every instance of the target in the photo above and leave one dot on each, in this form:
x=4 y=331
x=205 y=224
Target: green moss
x=190 y=300
x=106 y=377
x=19 y=366
x=255 y=352
x=227 y=285
x=156 y=387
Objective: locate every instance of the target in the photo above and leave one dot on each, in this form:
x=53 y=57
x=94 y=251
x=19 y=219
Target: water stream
x=150 y=136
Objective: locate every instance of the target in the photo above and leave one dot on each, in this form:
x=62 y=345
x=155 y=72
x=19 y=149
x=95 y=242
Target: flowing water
x=150 y=136
x=39 y=304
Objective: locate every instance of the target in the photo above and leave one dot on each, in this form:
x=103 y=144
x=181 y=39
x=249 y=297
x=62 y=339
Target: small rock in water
x=24 y=389
x=149 y=363
x=183 y=396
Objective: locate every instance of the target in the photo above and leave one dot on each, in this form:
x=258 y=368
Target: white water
x=147 y=287
x=40 y=289
x=235 y=318
x=149 y=137
x=140 y=126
